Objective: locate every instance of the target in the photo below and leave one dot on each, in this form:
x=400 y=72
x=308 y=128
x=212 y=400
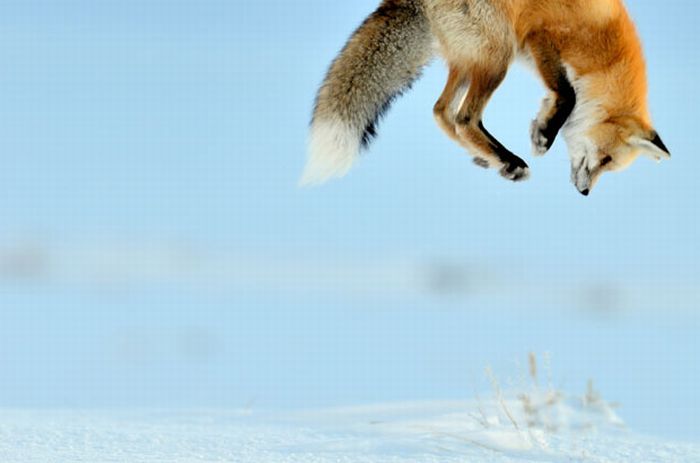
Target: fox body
x=586 y=52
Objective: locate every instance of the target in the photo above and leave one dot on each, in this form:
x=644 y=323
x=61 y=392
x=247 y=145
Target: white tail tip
x=333 y=148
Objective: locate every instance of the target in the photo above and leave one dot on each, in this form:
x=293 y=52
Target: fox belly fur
x=587 y=53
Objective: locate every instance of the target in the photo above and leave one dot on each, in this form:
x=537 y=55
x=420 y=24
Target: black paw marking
x=481 y=162
x=542 y=141
x=515 y=170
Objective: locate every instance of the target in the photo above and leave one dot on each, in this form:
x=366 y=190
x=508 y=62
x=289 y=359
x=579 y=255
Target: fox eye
x=605 y=161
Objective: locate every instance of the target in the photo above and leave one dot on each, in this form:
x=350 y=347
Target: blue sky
x=132 y=130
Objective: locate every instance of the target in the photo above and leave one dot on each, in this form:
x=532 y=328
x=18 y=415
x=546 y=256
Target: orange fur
x=596 y=38
x=587 y=53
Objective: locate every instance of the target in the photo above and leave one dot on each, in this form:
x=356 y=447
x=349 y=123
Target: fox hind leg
x=486 y=149
x=458 y=113
x=444 y=109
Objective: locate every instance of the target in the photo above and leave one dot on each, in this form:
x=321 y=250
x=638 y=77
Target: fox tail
x=381 y=60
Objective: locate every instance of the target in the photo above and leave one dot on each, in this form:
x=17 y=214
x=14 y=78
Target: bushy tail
x=381 y=60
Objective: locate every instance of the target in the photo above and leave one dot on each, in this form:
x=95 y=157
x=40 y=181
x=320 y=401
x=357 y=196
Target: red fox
x=586 y=52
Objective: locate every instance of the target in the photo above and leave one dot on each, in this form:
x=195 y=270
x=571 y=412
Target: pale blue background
x=150 y=152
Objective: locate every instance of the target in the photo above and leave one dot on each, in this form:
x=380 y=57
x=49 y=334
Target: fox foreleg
x=559 y=104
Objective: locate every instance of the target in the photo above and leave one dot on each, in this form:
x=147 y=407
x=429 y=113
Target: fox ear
x=652 y=146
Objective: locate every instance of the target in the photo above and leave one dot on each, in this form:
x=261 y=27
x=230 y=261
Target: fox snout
x=581 y=177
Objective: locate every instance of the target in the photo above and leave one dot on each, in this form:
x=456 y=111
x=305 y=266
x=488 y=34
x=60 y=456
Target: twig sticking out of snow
x=499 y=397
x=533 y=368
x=545 y=412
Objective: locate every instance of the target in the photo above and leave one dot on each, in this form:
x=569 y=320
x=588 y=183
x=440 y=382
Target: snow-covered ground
x=537 y=425
x=155 y=254
x=417 y=432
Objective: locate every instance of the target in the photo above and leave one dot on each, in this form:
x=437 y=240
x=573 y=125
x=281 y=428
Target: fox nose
x=586 y=192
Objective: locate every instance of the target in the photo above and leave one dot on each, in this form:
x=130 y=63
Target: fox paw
x=515 y=171
x=540 y=142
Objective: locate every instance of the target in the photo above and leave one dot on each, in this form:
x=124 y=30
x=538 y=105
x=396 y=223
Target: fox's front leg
x=559 y=104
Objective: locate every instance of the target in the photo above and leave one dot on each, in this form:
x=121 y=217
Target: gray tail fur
x=381 y=60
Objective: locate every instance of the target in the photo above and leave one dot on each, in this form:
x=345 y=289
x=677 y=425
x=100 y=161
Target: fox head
x=610 y=145
x=610 y=126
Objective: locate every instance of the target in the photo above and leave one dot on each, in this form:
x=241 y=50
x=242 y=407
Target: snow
x=537 y=426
